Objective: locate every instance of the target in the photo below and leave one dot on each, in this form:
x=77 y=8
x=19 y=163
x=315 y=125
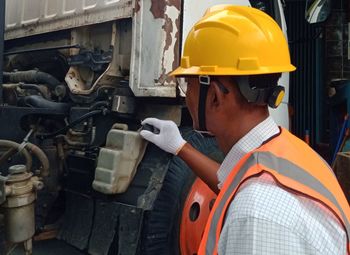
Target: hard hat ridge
x=235 y=40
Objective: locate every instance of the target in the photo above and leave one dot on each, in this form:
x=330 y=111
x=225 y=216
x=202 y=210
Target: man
x=275 y=195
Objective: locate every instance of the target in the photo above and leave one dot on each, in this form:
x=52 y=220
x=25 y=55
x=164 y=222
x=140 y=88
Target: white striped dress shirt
x=265 y=219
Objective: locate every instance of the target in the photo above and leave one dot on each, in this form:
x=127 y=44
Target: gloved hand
x=169 y=138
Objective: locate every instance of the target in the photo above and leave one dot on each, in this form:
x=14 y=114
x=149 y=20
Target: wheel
x=177 y=220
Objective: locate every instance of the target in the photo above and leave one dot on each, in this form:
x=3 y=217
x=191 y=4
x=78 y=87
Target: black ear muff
x=271 y=96
x=252 y=95
x=276 y=97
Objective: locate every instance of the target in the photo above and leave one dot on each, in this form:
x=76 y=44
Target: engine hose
x=34 y=87
x=73 y=123
x=94 y=106
x=31 y=76
x=72 y=143
x=16 y=146
x=45 y=164
x=40 y=102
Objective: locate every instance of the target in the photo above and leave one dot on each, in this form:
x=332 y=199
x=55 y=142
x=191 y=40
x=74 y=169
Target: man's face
x=219 y=102
x=192 y=97
x=192 y=102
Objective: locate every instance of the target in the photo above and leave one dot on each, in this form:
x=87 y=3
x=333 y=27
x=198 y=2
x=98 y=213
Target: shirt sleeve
x=249 y=235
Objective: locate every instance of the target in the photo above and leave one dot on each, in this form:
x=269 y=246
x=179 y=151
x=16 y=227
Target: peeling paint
x=154 y=56
x=165 y=10
x=137 y=6
x=175 y=3
x=176 y=61
x=158 y=7
x=171 y=45
x=168 y=28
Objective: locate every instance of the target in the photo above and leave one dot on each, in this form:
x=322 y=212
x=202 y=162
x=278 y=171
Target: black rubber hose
x=32 y=76
x=40 y=102
x=72 y=124
x=94 y=106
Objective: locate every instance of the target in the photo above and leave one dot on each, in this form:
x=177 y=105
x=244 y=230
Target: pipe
x=32 y=76
x=45 y=164
x=24 y=152
x=8 y=154
x=2 y=32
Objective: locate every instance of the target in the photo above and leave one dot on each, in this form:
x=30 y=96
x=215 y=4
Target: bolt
x=38 y=185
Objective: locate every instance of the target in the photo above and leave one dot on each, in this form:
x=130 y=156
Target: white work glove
x=169 y=138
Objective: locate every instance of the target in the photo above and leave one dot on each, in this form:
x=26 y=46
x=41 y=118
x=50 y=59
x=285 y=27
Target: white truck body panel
x=31 y=17
x=155 y=50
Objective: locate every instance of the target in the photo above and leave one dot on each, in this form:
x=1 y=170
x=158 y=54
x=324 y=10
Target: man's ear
x=215 y=96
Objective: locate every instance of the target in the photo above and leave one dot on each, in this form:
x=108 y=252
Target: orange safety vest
x=294 y=166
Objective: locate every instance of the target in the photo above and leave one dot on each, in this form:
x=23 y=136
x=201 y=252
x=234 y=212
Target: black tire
x=161 y=225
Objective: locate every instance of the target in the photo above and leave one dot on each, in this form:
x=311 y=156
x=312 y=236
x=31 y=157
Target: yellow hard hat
x=235 y=40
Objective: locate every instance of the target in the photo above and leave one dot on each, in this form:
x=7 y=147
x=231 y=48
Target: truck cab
x=78 y=79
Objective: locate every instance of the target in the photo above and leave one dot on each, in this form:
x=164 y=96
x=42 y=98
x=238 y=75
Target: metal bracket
x=124 y=104
x=93 y=60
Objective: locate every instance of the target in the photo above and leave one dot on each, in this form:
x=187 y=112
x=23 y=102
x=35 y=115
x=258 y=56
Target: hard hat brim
x=219 y=71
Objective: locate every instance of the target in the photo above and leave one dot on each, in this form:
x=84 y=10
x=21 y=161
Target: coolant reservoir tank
x=118 y=160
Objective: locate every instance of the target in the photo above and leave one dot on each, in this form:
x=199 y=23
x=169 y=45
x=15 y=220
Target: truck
x=77 y=78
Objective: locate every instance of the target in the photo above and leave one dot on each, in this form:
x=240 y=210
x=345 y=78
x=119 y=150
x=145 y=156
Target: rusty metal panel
x=155 y=47
x=156 y=41
x=30 y=17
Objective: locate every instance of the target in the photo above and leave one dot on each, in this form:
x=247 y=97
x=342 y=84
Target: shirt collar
x=252 y=140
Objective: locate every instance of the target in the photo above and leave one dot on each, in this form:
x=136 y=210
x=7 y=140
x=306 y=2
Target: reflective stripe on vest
x=265 y=161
